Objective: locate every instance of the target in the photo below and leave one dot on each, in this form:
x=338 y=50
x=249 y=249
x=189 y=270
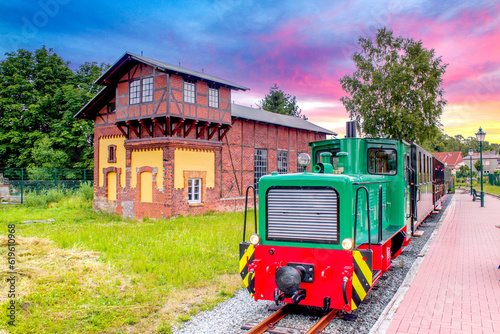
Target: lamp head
x=480 y=135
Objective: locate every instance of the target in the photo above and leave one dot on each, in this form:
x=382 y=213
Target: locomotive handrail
x=254 y=210
x=413 y=194
x=356 y=217
x=380 y=213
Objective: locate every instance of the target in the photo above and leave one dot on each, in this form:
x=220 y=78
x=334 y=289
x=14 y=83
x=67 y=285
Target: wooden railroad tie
x=418 y=233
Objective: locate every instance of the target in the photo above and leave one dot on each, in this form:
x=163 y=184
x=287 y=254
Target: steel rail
x=269 y=324
x=271 y=320
x=323 y=322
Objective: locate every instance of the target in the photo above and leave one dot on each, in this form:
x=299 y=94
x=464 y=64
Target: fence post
x=55 y=177
x=22 y=184
x=84 y=175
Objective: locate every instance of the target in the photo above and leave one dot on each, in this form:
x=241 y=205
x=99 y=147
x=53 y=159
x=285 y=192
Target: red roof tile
x=449 y=158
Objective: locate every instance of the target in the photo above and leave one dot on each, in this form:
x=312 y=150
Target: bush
x=86 y=191
x=46 y=197
x=79 y=198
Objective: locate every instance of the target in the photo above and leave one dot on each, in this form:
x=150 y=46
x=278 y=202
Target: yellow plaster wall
x=146 y=187
x=111 y=186
x=103 y=157
x=193 y=160
x=151 y=158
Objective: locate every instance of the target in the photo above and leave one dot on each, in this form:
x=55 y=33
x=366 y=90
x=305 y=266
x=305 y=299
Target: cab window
x=382 y=161
x=334 y=159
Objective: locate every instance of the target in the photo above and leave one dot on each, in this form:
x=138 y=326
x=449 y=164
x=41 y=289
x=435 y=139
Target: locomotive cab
x=326 y=236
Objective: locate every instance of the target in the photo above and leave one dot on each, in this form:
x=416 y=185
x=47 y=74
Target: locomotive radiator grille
x=302 y=214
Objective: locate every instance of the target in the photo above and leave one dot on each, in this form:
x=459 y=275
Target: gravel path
x=230 y=315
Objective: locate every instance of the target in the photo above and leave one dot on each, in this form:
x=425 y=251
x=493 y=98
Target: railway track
x=269 y=324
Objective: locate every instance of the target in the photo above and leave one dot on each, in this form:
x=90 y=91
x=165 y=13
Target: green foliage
x=279 y=102
x=396 y=88
x=39 y=95
x=86 y=191
x=46 y=197
x=446 y=143
x=477 y=165
x=463 y=171
x=61 y=197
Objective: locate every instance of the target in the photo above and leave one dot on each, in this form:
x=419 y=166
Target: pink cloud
x=310 y=67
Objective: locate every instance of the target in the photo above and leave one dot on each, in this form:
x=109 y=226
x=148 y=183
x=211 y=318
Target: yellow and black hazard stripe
x=247 y=255
x=361 y=277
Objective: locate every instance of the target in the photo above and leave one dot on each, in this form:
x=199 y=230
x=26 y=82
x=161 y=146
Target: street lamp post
x=480 y=138
x=471 y=152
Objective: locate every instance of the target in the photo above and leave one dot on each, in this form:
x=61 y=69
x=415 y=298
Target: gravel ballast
x=230 y=315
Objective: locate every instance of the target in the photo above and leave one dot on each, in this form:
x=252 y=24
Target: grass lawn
x=488 y=188
x=90 y=272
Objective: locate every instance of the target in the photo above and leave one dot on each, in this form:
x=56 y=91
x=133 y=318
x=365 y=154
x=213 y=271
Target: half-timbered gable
x=167 y=141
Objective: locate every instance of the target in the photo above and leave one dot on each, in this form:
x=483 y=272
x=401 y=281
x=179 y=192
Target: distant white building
x=491 y=162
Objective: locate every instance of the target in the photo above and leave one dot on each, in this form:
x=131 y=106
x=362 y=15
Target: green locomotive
x=326 y=236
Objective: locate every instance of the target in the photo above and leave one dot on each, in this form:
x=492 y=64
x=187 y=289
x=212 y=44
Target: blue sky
x=304 y=46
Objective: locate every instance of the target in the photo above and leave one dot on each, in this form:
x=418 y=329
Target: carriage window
x=382 y=161
x=419 y=167
x=426 y=169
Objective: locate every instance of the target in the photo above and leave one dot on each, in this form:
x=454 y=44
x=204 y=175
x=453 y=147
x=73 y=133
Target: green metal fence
x=16 y=182
x=494 y=179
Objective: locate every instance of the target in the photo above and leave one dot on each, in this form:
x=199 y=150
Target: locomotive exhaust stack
x=350 y=129
x=324 y=166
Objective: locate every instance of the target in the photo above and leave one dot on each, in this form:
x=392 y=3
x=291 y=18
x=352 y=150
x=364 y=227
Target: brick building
x=168 y=141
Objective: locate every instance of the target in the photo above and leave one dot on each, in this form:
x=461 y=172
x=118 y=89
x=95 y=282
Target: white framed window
x=282 y=162
x=213 y=97
x=259 y=165
x=147 y=89
x=135 y=92
x=194 y=190
x=189 y=91
x=141 y=90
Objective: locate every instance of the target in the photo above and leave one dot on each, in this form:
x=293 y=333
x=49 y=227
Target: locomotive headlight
x=347 y=244
x=303 y=159
x=254 y=239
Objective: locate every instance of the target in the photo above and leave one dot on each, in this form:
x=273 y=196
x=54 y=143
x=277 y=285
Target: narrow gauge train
x=324 y=238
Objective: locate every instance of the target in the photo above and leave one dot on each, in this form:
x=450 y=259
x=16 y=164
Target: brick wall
x=242 y=140
x=234 y=170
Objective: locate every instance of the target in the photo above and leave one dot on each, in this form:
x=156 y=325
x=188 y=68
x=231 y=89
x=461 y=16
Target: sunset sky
x=303 y=46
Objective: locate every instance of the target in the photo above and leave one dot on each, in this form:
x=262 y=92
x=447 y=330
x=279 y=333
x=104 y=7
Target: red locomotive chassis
x=328 y=270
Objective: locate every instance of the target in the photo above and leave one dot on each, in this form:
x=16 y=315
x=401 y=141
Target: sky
x=305 y=47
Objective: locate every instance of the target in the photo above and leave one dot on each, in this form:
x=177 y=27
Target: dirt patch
x=180 y=305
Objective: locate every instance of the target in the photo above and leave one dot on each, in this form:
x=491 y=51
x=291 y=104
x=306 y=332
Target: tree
x=279 y=102
x=396 y=89
x=477 y=166
x=39 y=94
x=445 y=143
x=463 y=171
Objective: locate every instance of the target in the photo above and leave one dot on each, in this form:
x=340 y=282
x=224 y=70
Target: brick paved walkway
x=457 y=288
